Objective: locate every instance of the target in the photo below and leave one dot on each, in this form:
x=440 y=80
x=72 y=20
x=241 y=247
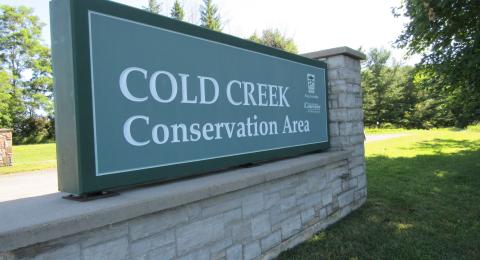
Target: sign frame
x=74 y=108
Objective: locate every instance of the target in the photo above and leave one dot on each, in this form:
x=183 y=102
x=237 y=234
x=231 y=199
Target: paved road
x=31 y=184
x=27 y=184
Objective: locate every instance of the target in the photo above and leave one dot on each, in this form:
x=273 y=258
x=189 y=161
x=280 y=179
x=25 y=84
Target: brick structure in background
x=6 y=153
x=249 y=213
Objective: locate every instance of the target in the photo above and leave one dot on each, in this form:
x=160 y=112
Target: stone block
x=252 y=204
x=241 y=231
x=220 y=204
x=156 y=223
x=271 y=199
x=115 y=250
x=287 y=203
x=357 y=161
x=362 y=181
x=235 y=252
x=339 y=114
x=232 y=216
x=209 y=230
x=345 y=198
x=104 y=234
x=165 y=253
x=337 y=61
x=307 y=216
x=218 y=247
x=261 y=225
x=202 y=254
x=291 y=226
x=357 y=171
x=334 y=130
x=252 y=250
x=144 y=246
x=271 y=240
x=327 y=195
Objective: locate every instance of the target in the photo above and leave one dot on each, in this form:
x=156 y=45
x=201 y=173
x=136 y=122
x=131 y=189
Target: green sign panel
x=143 y=98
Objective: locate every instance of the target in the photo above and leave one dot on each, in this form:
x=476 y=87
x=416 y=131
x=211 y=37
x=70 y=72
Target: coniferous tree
x=209 y=16
x=153 y=7
x=177 y=11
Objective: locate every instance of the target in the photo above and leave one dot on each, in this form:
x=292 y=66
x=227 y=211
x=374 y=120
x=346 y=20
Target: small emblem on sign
x=311 y=83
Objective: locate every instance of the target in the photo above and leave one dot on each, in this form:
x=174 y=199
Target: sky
x=313 y=24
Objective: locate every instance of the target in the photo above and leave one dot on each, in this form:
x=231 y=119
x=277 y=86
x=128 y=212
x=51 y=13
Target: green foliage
x=177 y=11
x=153 y=7
x=6 y=98
x=209 y=16
x=403 y=96
x=383 y=90
x=423 y=192
x=447 y=34
x=26 y=83
x=274 y=38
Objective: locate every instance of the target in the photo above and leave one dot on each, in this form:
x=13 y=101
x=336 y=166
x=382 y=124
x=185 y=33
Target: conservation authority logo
x=310 y=106
x=311 y=84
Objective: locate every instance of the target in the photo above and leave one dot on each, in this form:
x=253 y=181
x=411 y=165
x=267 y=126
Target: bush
x=34 y=130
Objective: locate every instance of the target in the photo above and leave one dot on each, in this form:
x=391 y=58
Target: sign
x=142 y=98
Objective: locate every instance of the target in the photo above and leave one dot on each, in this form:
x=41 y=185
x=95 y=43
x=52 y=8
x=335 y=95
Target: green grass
x=31 y=157
x=371 y=131
x=423 y=202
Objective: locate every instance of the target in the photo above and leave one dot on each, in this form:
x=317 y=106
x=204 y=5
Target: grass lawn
x=31 y=157
x=423 y=202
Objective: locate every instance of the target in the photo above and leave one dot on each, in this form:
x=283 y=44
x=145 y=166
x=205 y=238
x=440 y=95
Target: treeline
x=409 y=97
x=26 y=82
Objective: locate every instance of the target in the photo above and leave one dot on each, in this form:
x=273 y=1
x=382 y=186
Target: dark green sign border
x=74 y=110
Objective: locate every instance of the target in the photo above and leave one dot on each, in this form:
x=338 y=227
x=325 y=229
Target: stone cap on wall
x=3 y=130
x=344 y=50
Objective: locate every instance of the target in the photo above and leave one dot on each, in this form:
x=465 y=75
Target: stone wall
x=249 y=213
x=258 y=221
x=6 y=153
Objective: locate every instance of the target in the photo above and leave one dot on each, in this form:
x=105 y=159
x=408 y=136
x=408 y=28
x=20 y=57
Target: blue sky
x=314 y=24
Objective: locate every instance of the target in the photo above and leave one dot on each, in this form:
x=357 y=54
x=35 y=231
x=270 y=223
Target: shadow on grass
x=438 y=144
x=426 y=207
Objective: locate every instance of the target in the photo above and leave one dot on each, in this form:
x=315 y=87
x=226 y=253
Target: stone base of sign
x=246 y=213
x=6 y=153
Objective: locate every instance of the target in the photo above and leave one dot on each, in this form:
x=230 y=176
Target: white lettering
x=153 y=86
x=127 y=133
x=123 y=83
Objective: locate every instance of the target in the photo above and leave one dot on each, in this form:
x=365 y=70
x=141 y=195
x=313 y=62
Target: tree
x=6 y=90
x=447 y=34
x=177 y=11
x=379 y=94
x=209 y=16
x=27 y=62
x=153 y=7
x=273 y=38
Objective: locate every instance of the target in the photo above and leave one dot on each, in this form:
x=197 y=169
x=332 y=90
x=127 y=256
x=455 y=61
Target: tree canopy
x=25 y=69
x=447 y=34
x=274 y=38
